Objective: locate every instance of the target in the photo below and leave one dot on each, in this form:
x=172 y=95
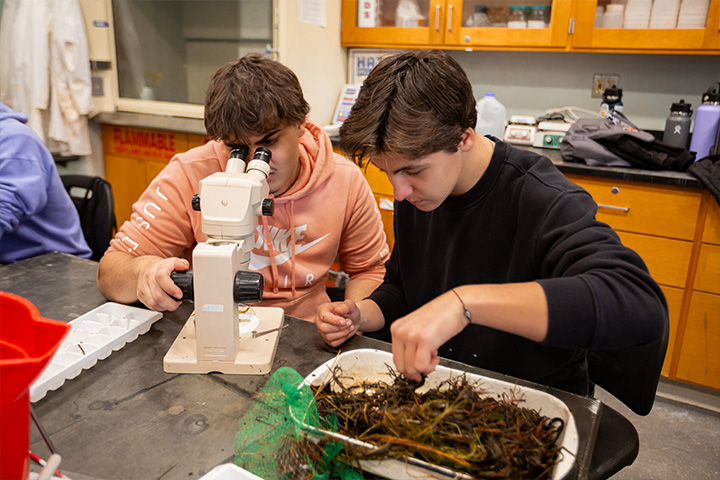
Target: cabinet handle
x=613 y=207
x=437 y=18
x=450 y=7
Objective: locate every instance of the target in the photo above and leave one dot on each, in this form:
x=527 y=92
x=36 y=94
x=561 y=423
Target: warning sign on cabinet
x=140 y=142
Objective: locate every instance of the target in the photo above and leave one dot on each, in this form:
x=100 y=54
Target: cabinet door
x=371 y=23
x=699 y=360
x=127 y=177
x=667 y=259
x=463 y=28
x=674 y=297
x=660 y=210
x=587 y=32
x=707 y=276
x=711 y=232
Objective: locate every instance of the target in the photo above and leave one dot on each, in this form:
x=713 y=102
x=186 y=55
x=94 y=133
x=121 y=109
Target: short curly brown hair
x=412 y=104
x=252 y=96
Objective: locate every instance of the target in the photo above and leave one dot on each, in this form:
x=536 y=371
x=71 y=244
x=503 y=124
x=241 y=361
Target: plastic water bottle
x=490 y=116
x=707 y=120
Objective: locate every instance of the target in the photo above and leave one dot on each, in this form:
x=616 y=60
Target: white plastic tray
x=92 y=337
x=370 y=364
x=229 y=471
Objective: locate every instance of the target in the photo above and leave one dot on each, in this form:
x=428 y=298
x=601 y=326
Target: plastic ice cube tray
x=92 y=337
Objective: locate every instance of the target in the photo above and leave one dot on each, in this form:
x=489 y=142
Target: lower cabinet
x=676 y=231
x=134 y=156
x=699 y=358
x=674 y=298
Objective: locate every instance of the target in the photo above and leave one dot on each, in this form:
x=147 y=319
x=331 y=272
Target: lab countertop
x=126 y=418
x=197 y=126
x=662 y=177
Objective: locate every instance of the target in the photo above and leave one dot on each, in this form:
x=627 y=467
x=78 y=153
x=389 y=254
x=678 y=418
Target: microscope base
x=254 y=356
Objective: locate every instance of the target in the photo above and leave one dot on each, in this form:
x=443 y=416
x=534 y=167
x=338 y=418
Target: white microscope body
x=212 y=339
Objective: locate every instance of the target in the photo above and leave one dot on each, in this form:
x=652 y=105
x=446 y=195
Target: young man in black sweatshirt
x=498 y=260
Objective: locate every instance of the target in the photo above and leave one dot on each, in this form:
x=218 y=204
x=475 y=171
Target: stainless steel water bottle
x=677 y=125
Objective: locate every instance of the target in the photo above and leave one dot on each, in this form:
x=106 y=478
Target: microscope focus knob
x=248 y=287
x=268 y=207
x=184 y=280
x=196 y=202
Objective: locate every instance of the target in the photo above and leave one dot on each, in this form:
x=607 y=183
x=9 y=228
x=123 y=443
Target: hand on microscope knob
x=155 y=288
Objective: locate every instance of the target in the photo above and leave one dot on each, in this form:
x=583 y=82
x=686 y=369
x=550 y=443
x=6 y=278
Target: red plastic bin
x=27 y=342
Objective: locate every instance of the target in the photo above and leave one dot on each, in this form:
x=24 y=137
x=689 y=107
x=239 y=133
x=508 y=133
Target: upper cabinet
x=692 y=27
x=575 y=25
x=456 y=23
x=373 y=23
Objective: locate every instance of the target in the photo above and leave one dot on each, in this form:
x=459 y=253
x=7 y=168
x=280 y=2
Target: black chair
x=631 y=375
x=93 y=198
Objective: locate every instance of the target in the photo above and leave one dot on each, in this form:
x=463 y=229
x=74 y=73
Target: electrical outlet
x=601 y=81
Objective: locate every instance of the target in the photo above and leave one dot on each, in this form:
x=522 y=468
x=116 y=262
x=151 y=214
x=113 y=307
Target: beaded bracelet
x=466 y=312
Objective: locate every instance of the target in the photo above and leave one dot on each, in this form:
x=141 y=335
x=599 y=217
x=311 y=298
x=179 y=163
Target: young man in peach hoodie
x=324 y=208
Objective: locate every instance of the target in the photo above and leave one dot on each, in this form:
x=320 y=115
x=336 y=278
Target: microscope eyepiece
x=238 y=151
x=262 y=154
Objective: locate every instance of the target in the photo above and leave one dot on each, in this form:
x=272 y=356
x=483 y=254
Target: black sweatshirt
x=524 y=221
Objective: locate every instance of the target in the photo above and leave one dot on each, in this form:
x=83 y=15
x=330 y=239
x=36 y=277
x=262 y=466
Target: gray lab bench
x=125 y=418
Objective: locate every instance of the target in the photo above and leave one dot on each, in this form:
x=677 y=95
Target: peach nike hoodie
x=328 y=212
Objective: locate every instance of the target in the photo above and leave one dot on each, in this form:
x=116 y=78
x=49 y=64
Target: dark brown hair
x=412 y=104
x=252 y=96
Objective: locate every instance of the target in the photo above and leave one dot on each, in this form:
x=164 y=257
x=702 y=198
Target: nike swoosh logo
x=258 y=262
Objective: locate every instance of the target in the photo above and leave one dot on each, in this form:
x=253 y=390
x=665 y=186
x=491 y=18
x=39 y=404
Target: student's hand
x=338 y=321
x=156 y=289
x=416 y=337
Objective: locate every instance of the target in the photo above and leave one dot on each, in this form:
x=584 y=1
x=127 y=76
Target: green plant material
x=454 y=425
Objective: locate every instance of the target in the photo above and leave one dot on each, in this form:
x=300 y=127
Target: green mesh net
x=273 y=441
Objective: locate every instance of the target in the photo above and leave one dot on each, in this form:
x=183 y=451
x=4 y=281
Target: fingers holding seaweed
x=417 y=337
x=415 y=355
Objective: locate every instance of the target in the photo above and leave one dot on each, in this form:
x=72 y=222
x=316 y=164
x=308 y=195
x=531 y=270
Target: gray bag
x=580 y=145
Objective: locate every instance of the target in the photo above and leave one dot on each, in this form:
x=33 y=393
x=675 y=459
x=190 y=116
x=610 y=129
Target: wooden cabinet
x=659 y=223
x=699 y=357
x=553 y=37
x=677 y=233
x=447 y=24
x=674 y=297
x=586 y=36
x=698 y=360
x=711 y=232
x=429 y=33
x=134 y=156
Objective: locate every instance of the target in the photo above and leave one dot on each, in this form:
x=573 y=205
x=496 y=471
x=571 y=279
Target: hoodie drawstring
x=271 y=251
x=292 y=246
